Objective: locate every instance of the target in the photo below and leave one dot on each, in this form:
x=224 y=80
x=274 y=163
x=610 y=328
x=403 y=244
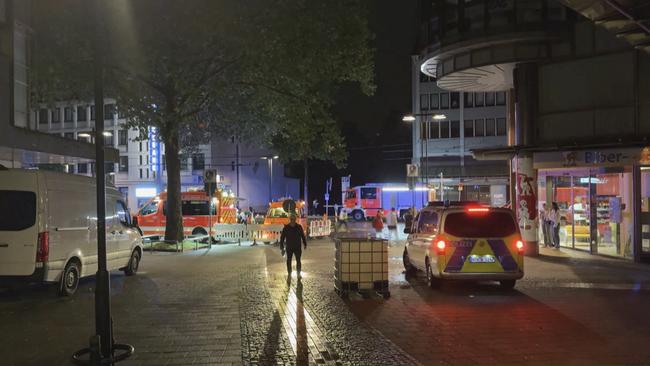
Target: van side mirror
x=134 y=221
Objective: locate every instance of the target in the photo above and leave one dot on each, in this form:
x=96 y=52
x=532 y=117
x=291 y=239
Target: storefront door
x=645 y=212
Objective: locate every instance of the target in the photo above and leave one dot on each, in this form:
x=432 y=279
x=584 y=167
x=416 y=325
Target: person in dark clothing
x=292 y=234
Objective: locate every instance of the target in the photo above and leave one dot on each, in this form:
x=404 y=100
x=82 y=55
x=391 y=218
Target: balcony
x=474 y=46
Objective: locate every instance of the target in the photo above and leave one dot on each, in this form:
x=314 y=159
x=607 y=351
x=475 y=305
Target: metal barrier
x=320 y=228
x=248 y=232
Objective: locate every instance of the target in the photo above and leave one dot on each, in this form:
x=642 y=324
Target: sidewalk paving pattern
x=232 y=305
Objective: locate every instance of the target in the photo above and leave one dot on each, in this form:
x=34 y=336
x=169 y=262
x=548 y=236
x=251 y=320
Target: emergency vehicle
x=278 y=216
x=465 y=242
x=195 y=208
x=363 y=202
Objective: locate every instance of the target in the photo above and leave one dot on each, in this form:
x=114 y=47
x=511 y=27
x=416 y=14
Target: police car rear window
x=485 y=225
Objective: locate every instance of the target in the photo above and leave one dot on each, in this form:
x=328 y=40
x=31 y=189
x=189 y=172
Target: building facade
x=21 y=142
x=577 y=74
x=141 y=173
x=448 y=125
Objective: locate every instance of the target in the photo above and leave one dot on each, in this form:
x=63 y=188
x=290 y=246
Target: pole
x=103 y=320
x=210 y=220
x=270 y=160
x=442 y=188
x=237 y=167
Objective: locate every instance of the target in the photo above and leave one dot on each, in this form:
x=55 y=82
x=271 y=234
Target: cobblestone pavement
x=232 y=305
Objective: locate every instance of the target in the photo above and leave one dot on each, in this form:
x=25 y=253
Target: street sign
x=289 y=206
x=327 y=196
x=412 y=170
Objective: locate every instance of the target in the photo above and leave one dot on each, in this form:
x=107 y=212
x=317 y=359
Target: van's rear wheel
x=69 y=279
x=507 y=284
x=134 y=263
x=357 y=215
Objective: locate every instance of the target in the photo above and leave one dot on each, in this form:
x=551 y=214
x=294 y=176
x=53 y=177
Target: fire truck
x=277 y=214
x=195 y=207
x=363 y=202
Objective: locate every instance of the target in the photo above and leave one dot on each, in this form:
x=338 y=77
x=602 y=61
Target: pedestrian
x=391 y=223
x=343 y=219
x=545 y=225
x=554 y=223
x=293 y=235
x=314 y=207
x=378 y=222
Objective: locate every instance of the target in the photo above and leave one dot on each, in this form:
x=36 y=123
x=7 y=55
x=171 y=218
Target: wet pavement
x=233 y=305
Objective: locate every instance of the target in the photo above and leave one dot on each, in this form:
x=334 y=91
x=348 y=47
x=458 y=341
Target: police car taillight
x=520 y=246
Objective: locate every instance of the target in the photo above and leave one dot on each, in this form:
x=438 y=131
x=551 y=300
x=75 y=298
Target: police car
x=465 y=241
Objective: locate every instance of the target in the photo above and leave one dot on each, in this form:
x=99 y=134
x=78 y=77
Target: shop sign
x=587 y=158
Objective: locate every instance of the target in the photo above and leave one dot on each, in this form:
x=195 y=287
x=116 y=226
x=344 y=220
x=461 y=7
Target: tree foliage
x=265 y=72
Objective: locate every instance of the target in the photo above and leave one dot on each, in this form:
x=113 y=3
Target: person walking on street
x=391 y=222
x=290 y=240
x=343 y=219
x=554 y=224
x=378 y=222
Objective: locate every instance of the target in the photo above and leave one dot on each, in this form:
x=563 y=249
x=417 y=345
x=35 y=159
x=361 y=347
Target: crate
x=361 y=265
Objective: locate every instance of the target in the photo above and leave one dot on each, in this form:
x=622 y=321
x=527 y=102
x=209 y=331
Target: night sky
x=379 y=142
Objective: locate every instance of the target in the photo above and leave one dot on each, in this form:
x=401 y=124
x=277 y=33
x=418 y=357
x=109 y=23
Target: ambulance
x=465 y=241
x=196 y=209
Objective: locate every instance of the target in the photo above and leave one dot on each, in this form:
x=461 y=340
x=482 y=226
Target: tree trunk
x=305 y=185
x=174 y=226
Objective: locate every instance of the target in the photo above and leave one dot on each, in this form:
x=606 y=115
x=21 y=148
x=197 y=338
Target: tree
x=212 y=69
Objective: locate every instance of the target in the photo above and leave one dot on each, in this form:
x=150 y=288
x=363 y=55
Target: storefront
x=603 y=197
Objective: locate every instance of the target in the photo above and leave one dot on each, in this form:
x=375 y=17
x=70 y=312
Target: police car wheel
x=507 y=284
x=408 y=267
x=432 y=281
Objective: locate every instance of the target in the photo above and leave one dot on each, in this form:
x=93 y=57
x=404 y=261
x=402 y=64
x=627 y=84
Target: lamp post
x=424 y=146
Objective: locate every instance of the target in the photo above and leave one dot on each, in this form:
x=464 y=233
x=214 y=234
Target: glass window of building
x=501 y=98
x=455 y=129
x=501 y=127
x=56 y=115
x=164 y=162
x=108 y=140
x=81 y=114
x=122 y=137
x=124 y=164
x=489 y=99
x=479 y=99
x=198 y=161
x=479 y=127
x=424 y=101
x=444 y=129
x=42 y=116
x=82 y=168
x=434 y=130
x=468 y=100
x=444 y=100
x=147 y=173
x=140 y=159
x=435 y=101
x=490 y=128
x=67 y=114
x=184 y=164
x=140 y=173
x=109 y=168
x=109 y=111
x=140 y=146
x=92 y=112
x=469 y=128
x=455 y=100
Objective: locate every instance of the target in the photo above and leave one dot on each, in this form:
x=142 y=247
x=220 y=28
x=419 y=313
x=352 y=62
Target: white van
x=48 y=229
